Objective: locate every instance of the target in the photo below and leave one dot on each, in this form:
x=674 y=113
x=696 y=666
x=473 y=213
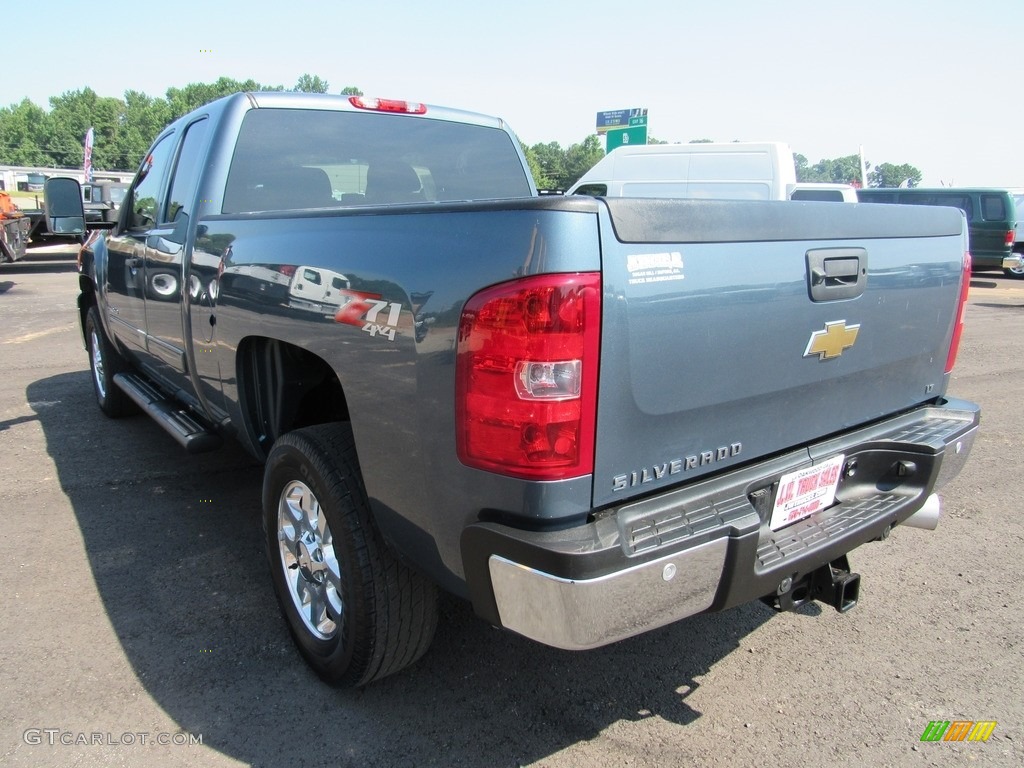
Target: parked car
x=991 y=216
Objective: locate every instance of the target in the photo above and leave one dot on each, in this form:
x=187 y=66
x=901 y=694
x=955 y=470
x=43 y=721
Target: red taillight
x=961 y=310
x=526 y=377
x=388 y=105
x=1011 y=237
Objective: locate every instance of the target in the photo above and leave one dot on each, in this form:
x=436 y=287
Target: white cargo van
x=736 y=171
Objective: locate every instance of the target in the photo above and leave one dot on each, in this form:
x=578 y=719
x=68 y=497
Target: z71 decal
x=368 y=313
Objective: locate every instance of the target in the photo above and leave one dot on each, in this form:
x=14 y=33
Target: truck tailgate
x=722 y=320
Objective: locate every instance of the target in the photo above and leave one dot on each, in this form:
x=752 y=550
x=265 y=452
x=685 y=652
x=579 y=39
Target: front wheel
x=104 y=363
x=356 y=613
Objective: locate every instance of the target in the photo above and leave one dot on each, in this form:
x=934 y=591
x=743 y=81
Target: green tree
x=24 y=129
x=194 y=95
x=840 y=170
x=889 y=175
x=72 y=114
x=547 y=162
x=800 y=162
x=351 y=90
x=311 y=84
x=143 y=118
x=536 y=169
x=580 y=158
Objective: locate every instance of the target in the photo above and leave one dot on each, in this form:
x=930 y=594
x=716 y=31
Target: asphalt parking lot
x=139 y=625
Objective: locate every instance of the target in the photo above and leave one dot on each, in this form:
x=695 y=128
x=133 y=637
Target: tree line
x=124 y=128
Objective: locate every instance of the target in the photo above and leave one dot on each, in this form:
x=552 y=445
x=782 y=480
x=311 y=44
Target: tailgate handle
x=836 y=273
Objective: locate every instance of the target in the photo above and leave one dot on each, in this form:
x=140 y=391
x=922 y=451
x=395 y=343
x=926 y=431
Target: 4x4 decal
x=363 y=309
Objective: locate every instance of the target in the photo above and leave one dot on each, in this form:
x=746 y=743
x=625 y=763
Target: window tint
x=993 y=208
x=594 y=190
x=286 y=159
x=952 y=200
x=147 y=186
x=186 y=173
x=824 y=195
x=866 y=196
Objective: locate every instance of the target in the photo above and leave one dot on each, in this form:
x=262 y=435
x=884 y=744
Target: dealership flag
x=88 y=155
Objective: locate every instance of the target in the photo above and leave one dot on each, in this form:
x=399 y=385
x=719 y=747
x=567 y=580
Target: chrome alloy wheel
x=310 y=567
x=97 y=363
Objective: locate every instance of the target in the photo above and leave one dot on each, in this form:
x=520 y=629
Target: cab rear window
x=287 y=159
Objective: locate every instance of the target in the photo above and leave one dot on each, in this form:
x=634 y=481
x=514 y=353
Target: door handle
x=837 y=273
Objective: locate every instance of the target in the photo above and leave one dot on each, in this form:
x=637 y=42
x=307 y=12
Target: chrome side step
x=191 y=434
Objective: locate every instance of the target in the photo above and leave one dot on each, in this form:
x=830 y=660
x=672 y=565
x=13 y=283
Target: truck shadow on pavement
x=175 y=546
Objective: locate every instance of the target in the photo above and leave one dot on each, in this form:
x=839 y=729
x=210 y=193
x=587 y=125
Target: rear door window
x=993 y=208
x=186 y=174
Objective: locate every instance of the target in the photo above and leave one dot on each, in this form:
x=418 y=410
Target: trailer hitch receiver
x=835 y=585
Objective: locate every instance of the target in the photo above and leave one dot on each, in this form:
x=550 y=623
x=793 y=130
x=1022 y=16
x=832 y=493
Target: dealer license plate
x=806 y=491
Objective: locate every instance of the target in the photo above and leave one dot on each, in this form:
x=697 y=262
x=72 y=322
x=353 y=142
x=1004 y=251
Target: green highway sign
x=631 y=136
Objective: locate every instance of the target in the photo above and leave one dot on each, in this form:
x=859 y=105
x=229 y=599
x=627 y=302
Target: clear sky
x=933 y=83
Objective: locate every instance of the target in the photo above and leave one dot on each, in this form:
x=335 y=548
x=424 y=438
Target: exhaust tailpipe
x=927 y=517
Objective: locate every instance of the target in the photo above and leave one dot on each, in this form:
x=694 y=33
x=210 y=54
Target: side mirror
x=65 y=214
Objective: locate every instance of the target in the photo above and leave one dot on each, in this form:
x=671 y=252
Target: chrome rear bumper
x=708 y=546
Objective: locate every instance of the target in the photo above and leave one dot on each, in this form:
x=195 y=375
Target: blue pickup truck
x=589 y=417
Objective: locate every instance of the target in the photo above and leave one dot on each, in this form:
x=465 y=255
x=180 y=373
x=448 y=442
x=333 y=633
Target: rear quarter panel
x=400 y=392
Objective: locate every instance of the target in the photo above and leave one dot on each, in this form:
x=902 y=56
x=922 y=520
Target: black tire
x=356 y=613
x=104 y=363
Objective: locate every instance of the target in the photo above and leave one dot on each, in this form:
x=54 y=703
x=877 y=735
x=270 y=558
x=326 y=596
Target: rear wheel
x=1017 y=272
x=104 y=363
x=356 y=613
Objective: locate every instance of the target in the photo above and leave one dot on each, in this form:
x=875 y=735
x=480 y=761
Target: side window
x=594 y=190
x=871 y=197
x=992 y=208
x=147 y=185
x=186 y=173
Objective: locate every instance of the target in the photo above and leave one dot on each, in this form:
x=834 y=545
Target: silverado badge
x=831 y=342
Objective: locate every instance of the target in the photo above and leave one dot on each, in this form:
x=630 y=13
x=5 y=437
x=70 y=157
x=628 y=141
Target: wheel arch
x=86 y=299
x=283 y=387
